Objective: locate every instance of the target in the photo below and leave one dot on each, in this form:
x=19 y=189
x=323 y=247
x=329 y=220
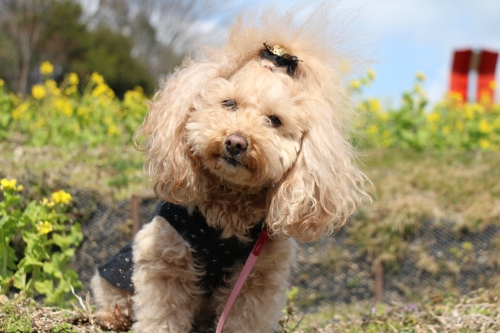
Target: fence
x=329 y=270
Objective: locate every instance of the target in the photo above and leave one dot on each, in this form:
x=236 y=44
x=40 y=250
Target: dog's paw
x=113 y=319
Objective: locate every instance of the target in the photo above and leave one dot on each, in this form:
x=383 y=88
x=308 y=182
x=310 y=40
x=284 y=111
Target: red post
x=486 y=76
x=460 y=73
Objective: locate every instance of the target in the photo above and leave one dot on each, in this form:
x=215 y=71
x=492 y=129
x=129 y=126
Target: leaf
x=60 y=241
x=45 y=287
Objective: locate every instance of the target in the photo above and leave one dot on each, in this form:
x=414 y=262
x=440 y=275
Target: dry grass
x=413 y=187
x=112 y=171
x=476 y=312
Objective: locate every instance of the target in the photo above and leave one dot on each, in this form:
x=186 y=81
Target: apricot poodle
x=249 y=134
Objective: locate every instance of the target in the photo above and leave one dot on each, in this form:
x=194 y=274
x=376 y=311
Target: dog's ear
x=323 y=187
x=170 y=166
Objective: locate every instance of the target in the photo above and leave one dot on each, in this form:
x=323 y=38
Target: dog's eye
x=229 y=103
x=275 y=121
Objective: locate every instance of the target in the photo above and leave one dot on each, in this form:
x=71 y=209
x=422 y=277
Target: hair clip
x=280 y=57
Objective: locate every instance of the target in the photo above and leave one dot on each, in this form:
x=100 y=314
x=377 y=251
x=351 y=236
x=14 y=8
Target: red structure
x=482 y=61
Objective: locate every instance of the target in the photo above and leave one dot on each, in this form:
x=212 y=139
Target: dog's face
x=255 y=126
x=247 y=130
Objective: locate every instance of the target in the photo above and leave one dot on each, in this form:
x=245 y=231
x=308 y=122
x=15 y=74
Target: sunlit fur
x=299 y=174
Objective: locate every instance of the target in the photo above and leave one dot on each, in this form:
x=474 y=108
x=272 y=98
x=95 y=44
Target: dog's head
x=264 y=113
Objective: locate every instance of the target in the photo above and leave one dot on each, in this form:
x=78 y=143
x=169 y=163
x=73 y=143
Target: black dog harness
x=216 y=254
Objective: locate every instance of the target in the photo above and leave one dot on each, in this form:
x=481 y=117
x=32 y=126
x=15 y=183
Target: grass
x=477 y=312
x=110 y=170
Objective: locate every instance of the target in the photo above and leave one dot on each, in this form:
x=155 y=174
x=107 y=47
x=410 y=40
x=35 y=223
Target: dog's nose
x=236 y=144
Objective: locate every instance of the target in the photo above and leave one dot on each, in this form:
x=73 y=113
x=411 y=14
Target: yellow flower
x=38 y=91
x=46 y=202
x=420 y=76
x=20 y=188
x=375 y=105
x=484 y=126
x=51 y=86
x=70 y=90
x=484 y=143
x=61 y=197
x=446 y=129
x=44 y=227
x=46 y=68
x=96 y=78
x=21 y=111
x=372 y=129
x=73 y=79
x=2 y=83
x=355 y=84
x=64 y=105
x=433 y=117
x=371 y=74
x=8 y=184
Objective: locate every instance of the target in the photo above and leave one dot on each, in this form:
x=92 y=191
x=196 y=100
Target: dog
x=250 y=134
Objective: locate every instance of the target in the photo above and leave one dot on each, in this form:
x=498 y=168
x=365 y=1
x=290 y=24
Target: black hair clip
x=280 y=57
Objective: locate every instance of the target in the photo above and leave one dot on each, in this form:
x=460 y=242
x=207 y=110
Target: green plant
x=37 y=243
x=450 y=124
x=14 y=320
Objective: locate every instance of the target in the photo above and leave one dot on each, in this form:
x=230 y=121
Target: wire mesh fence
x=330 y=270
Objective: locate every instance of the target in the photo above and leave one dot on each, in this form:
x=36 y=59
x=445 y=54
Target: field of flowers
x=451 y=124
x=70 y=114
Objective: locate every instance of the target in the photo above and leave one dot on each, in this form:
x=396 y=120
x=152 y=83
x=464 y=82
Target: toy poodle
x=247 y=135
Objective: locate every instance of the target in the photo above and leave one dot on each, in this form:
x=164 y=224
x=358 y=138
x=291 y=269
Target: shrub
x=36 y=244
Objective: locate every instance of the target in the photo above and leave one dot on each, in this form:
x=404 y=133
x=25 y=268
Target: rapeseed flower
x=52 y=87
x=61 y=197
x=420 y=76
x=44 y=227
x=375 y=105
x=21 y=111
x=8 y=184
x=372 y=129
x=485 y=127
x=38 y=91
x=355 y=84
x=97 y=78
x=433 y=117
x=371 y=74
x=46 y=68
x=46 y=202
x=64 y=105
x=485 y=144
x=73 y=79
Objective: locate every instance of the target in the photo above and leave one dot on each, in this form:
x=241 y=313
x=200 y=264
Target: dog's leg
x=114 y=306
x=166 y=296
x=262 y=298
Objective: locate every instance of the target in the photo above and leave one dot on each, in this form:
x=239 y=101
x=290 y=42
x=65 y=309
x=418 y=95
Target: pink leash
x=256 y=251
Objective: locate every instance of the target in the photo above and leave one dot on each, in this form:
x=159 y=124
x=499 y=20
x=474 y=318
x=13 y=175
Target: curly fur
x=301 y=175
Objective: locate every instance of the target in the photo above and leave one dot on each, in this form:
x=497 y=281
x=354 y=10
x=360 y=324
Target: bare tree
x=162 y=30
x=24 y=22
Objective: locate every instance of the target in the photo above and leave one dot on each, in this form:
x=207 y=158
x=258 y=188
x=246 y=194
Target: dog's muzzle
x=235 y=146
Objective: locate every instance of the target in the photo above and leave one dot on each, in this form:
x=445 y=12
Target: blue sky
x=403 y=37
